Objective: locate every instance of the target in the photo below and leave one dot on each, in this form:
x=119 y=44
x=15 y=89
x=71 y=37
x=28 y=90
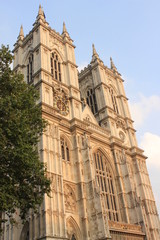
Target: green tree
x=23 y=180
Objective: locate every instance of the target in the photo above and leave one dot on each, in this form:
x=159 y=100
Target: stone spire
x=94 y=51
x=64 y=28
x=40 y=17
x=40 y=12
x=65 y=32
x=112 y=65
x=95 y=56
x=21 y=34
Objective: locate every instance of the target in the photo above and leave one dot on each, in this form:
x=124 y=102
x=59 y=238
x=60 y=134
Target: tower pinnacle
x=21 y=33
x=94 y=51
x=112 y=64
x=40 y=12
x=65 y=32
x=95 y=55
x=41 y=16
x=64 y=28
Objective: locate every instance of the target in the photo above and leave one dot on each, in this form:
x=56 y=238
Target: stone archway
x=73 y=231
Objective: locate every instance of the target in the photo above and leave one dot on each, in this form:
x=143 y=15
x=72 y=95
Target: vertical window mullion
x=106 y=186
x=98 y=181
x=102 y=187
x=114 y=101
x=64 y=150
x=67 y=153
x=101 y=162
x=98 y=160
x=95 y=157
x=28 y=73
x=55 y=67
x=109 y=198
x=91 y=100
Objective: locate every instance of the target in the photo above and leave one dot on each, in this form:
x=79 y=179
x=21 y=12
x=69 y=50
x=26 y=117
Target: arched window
x=64 y=150
x=114 y=102
x=73 y=237
x=55 y=66
x=106 y=185
x=91 y=100
x=30 y=69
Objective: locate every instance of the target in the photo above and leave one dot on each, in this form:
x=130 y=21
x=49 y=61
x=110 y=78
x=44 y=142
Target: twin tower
x=100 y=183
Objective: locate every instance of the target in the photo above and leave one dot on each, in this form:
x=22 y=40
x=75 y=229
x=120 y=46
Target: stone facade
x=100 y=183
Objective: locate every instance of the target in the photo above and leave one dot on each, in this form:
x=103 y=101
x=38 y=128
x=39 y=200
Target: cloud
x=141 y=109
x=151 y=145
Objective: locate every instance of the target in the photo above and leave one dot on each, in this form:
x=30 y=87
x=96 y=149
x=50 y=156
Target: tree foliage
x=23 y=180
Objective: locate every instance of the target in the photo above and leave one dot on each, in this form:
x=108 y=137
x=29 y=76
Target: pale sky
x=127 y=30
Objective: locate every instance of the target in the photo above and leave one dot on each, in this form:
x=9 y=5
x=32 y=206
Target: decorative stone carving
x=69 y=198
x=53 y=42
x=122 y=157
x=60 y=100
x=51 y=130
x=125 y=226
x=53 y=182
x=122 y=136
x=121 y=124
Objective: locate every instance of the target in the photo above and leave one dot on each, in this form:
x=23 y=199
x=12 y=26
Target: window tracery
x=73 y=231
x=30 y=69
x=106 y=185
x=91 y=100
x=65 y=150
x=56 y=66
x=114 y=100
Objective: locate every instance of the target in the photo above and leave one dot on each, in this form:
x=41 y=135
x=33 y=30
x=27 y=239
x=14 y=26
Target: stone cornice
x=125 y=228
x=135 y=151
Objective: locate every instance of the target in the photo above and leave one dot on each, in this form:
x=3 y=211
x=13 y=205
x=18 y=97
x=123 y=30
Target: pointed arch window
x=91 y=100
x=73 y=237
x=114 y=100
x=30 y=69
x=65 y=150
x=106 y=185
x=56 y=67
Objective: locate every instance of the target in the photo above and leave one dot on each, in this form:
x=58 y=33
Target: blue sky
x=127 y=30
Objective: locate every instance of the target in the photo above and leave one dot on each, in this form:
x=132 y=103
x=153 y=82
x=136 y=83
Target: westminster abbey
x=100 y=184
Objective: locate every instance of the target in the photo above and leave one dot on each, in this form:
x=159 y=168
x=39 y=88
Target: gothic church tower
x=100 y=184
